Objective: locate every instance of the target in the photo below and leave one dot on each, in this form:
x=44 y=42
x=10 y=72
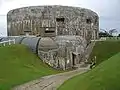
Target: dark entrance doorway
x=73 y=58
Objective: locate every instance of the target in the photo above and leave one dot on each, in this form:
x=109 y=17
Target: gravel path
x=51 y=82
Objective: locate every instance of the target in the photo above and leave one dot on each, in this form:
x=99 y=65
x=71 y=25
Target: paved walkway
x=51 y=82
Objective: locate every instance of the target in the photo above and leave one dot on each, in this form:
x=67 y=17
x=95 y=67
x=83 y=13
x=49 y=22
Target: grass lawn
x=106 y=76
x=19 y=65
x=104 y=50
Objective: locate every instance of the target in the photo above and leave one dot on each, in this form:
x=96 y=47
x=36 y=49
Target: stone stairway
x=88 y=51
x=81 y=65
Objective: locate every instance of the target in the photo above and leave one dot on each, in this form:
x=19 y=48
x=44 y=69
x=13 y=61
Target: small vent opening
x=60 y=19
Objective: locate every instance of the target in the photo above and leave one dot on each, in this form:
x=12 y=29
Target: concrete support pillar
x=94 y=35
x=56 y=29
x=71 y=60
x=31 y=25
x=23 y=25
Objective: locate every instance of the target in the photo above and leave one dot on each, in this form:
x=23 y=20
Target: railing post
x=14 y=41
x=9 y=41
x=4 y=44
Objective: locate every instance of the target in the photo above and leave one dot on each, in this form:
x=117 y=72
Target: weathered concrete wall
x=63 y=52
x=65 y=20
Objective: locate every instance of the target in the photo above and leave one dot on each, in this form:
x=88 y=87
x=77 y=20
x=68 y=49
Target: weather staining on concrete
x=61 y=20
x=63 y=32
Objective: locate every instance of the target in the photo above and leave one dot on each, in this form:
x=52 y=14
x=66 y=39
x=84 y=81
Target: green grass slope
x=106 y=76
x=104 y=50
x=19 y=65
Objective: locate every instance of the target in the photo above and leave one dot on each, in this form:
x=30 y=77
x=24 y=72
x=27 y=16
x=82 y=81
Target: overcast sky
x=108 y=10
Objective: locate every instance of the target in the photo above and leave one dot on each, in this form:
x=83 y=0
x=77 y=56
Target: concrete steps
x=81 y=65
x=89 y=50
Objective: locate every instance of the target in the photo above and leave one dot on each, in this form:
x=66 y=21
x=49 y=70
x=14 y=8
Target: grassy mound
x=19 y=65
x=104 y=50
x=104 y=77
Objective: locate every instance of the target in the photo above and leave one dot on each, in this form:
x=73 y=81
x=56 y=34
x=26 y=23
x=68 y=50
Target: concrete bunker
x=63 y=32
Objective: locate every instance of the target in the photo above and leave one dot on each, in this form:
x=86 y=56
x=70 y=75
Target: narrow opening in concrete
x=49 y=31
x=60 y=19
x=88 y=21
